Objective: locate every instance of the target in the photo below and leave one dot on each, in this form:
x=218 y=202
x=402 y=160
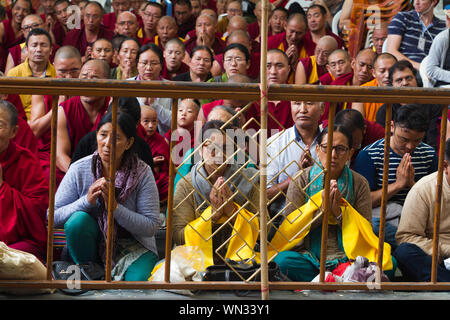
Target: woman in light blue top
x=82 y=199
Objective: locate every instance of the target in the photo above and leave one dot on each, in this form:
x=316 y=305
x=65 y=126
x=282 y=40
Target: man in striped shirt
x=409 y=160
x=411 y=33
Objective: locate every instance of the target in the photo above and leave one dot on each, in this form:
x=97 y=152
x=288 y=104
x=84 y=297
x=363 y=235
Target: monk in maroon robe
x=11 y=29
x=83 y=38
x=23 y=191
x=80 y=114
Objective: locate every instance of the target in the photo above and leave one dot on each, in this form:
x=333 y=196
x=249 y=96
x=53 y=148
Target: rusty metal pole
x=326 y=202
x=172 y=172
x=52 y=187
x=437 y=205
x=263 y=155
x=387 y=148
x=111 y=193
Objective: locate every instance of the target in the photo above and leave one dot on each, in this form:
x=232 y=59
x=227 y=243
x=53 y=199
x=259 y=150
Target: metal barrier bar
x=437 y=208
x=263 y=155
x=52 y=189
x=172 y=173
x=387 y=144
x=111 y=193
x=241 y=91
x=326 y=200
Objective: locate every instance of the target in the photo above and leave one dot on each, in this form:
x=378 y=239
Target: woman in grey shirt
x=82 y=198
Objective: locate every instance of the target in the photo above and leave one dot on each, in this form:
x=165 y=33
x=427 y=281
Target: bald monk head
x=127 y=24
x=67 y=62
x=379 y=36
x=240 y=36
x=31 y=21
x=93 y=16
x=325 y=46
x=362 y=66
x=94 y=69
x=296 y=28
x=237 y=23
x=339 y=63
x=381 y=66
x=167 y=29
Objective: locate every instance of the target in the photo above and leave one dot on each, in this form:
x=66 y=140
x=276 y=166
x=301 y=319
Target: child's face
x=149 y=120
x=187 y=114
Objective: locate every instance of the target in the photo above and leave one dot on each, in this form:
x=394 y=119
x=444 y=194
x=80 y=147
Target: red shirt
x=78 y=122
x=23 y=201
x=77 y=38
x=160 y=147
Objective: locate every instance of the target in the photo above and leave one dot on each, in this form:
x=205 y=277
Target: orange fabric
x=371 y=108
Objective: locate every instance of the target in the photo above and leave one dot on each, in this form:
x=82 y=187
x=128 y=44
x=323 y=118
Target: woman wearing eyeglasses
x=302 y=263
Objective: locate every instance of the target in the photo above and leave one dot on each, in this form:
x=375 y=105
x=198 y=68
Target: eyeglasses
x=31 y=26
x=340 y=150
x=235 y=59
x=153 y=64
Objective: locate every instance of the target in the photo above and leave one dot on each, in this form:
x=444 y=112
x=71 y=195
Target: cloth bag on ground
x=20 y=265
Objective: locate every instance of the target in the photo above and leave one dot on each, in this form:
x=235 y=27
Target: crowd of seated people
x=210 y=42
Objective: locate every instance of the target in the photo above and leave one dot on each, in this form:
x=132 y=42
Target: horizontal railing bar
x=249 y=91
x=223 y=285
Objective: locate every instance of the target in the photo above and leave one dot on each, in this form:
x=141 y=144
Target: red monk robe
x=77 y=38
x=9 y=40
x=160 y=148
x=44 y=146
x=24 y=137
x=313 y=71
x=23 y=201
x=343 y=80
x=78 y=122
x=218 y=46
x=310 y=45
x=279 y=41
x=165 y=74
x=279 y=117
x=109 y=20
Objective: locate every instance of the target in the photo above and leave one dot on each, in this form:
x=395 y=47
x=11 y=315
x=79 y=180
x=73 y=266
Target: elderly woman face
x=104 y=143
x=128 y=53
x=342 y=152
x=149 y=66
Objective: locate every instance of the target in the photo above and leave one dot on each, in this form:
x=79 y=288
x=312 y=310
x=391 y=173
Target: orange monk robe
x=371 y=108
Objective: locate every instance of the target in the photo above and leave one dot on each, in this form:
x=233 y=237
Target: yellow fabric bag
x=243 y=238
x=357 y=234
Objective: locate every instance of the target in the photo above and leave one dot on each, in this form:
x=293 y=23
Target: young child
x=159 y=147
x=187 y=114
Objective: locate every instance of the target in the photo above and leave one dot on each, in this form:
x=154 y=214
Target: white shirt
x=283 y=155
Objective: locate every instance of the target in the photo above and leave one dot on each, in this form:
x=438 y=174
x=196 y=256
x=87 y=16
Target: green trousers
x=83 y=236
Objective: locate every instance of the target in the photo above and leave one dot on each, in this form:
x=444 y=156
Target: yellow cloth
x=243 y=238
x=357 y=234
x=23 y=70
x=314 y=76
